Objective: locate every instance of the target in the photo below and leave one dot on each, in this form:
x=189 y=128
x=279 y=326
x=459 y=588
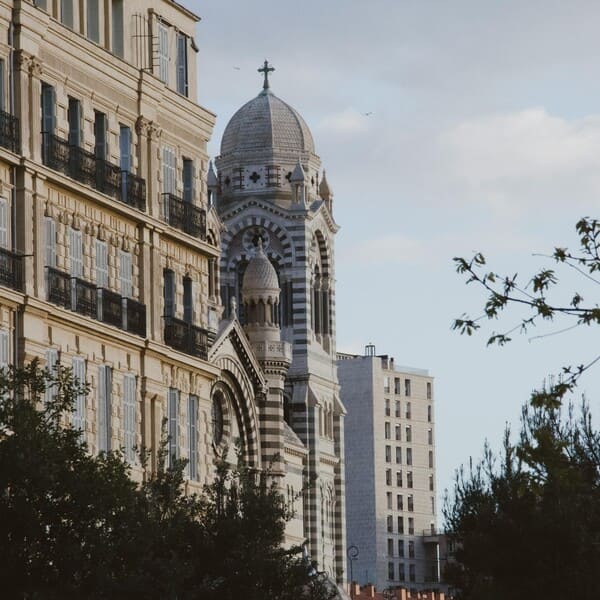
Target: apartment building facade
x=390 y=472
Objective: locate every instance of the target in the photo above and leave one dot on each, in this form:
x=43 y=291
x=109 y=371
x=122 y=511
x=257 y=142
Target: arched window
x=217 y=418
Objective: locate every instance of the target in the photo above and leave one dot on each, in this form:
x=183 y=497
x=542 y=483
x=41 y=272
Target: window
x=51 y=364
x=388 y=454
x=126 y=272
x=101 y=264
x=431 y=485
x=398 y=433
x=390 y=523
x=409 y=456
x=411 y=573
x=411 y=526
x=66 y=13
x=193 y=437
x=129 y=416
x=4 y=348
x=391 y=571
x=48 y=108
x=2 y=84
x=217 y=419
x=432 y=499
x=75 y=253
x=169 y=172
x=163 y=52
x=431 y=459
x=50 y=235
x=398 y=455
x=400 y=502
x=429 y=390
x=40 y=3
x=182 y=64
x=398 y=411
x=387 y=407
x=386 y=385
x=74 y=118
x=124 y=158
x=188 y=301
x=104 y=407
x=408 y=433
x=400 y=524
x=388 y=430
x=188 y=180
x=117 y=28
x=401 y=548
x=100 y=135
x=93 y=25
x=411 y=549
x=78 y=416
x=430 y=436
x=396 y=385
x=407 y=387
x=212 y=276
x=409 y=479
x=388 y=477
x=429 y=411
x=410 y=502
x=4 y=223
x=169 y=293
x=399 y=478
x=389 y=500
x=401 y=574
x=173 y=424
x=390 y=547
x=408 y=410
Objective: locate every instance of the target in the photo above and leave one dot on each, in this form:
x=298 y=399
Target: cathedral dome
x=266 y=122
x=260 y=276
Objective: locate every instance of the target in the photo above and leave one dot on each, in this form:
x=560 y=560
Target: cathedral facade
x=274 y=201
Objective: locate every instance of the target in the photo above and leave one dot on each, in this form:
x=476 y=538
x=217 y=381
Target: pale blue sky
x=485 y=135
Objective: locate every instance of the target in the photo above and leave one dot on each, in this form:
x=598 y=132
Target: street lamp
x=352 y=556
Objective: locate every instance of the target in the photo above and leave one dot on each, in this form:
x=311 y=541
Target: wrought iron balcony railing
x=186 y=337
x=97 y=303
x=184 y=216
x=11 y=269
x=85 y=167
x=10 y=134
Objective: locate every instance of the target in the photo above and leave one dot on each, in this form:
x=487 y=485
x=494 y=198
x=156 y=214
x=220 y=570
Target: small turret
x=325 y=191
x=212 y=183
x=298 y=181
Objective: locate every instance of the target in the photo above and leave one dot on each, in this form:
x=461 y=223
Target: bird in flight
x=367 y=114
x=236 y=68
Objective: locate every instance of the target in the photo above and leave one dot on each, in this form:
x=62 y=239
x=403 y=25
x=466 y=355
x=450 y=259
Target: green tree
x=526 y=524
x=540 y=297
x=74 y=525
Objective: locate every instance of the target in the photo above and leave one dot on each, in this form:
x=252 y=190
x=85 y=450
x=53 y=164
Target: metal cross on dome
x=266 y=69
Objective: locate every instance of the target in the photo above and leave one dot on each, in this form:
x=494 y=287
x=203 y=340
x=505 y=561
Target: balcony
x=85 y=167
x=10 y=136
x=184 y=216
x=11 y=269
x=104 y=305
x=186 y=337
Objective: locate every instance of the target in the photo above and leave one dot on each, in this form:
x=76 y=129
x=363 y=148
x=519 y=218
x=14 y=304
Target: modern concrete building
x=390 y=471
x=110 y=243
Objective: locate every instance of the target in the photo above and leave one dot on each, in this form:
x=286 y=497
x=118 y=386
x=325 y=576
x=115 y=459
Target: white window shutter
x=50 y=234
x=169 y=167
x=4 y=221
x=51 y=364
x=79 y=408
x=129 y=421
x=4 y=348
x=101 y=264
x=76 y=252
x=163 y=52
x=126 y=274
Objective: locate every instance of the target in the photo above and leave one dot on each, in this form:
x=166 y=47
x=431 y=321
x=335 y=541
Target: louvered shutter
x=101 y=264
x=169 y=166
x=129 y=401
x=51 y=363
x=76 y=253
x=193 y=437
x=182 y=68
x=48 y=108
x=50 y=234
x=173 y=408
x=79 y=408
x=104 y=408
x=126 y=274
x=4 y=348
x=4 y=223
x=163 y=52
